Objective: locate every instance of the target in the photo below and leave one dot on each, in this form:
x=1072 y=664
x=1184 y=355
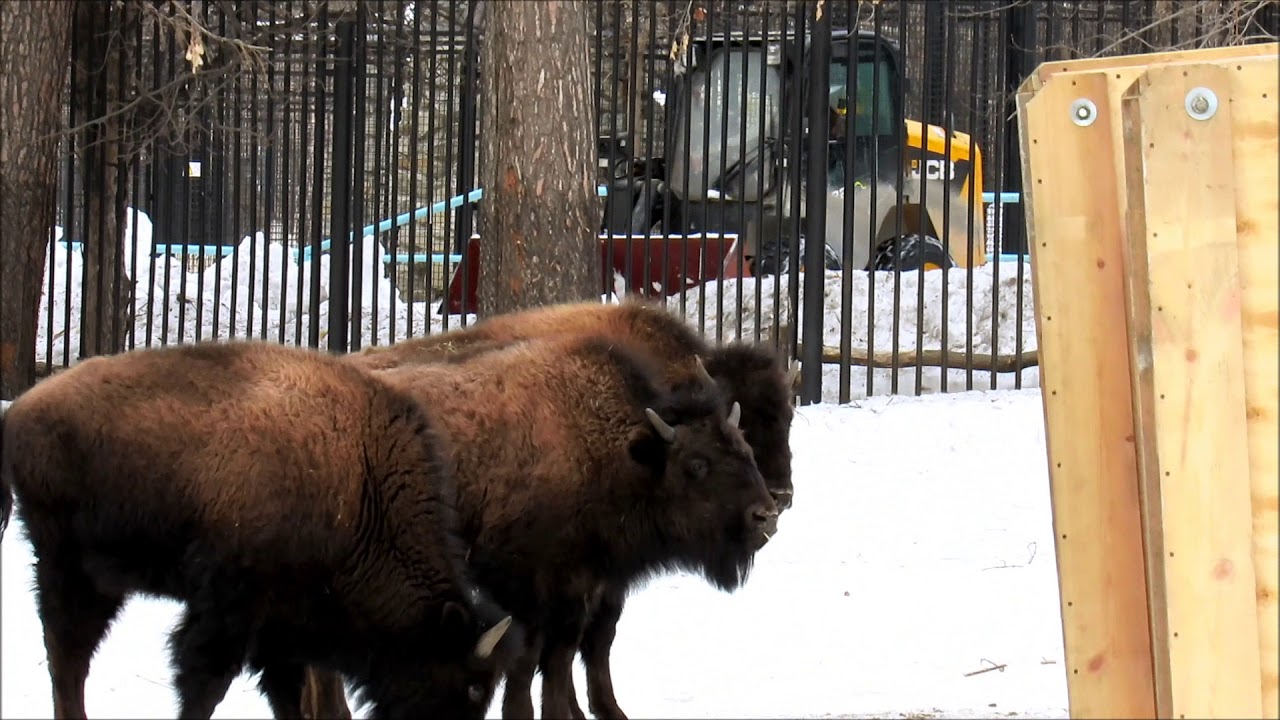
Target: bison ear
x=648 y=449
x=455 y=618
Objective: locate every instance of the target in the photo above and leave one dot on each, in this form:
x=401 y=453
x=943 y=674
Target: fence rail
x=844 y=187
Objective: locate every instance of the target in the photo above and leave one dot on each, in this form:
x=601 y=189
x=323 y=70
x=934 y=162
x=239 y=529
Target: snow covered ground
x=919 y=551
x=272 y=291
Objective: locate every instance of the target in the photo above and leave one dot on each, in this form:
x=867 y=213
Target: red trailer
x=674 y=263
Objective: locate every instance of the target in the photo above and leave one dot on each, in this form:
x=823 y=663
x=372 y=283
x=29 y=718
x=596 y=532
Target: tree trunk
x=95 y=93
x=34 y=49
x=540 y=214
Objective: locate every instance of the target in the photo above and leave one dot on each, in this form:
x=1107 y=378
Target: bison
x=579 y=469
x=301 y=508
x=749 y=375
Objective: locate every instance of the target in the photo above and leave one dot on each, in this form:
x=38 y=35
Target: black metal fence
x=305 y=172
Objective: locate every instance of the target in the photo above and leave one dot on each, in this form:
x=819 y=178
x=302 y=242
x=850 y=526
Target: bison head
x=716 y=509
x=753 y=377
x=469 y=656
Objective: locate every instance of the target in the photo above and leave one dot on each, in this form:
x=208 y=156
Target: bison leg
x=517 y=694
x=75 y=615
x=323 y=696
x=282 y=685
x=210 y=646
x=559 y=699
x=294 y=690
x=597 y=641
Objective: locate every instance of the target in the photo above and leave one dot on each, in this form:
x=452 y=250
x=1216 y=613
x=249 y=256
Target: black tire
x=776 y=258
x=911 y=252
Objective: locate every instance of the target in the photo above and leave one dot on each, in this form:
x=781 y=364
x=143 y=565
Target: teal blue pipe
x=420 y=214
x=1005 y=197
x=437 y=258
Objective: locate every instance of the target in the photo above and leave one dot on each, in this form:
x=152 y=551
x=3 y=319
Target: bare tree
x=34 y=42
x=540 y=214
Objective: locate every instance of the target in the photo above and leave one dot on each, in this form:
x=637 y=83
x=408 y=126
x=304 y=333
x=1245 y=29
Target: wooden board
x=1256 y=141
x=1140 y=62
x=1187 y=358
x=1076 y=234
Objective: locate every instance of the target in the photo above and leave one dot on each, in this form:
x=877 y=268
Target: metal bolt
x=1201 y=103
x=1083 y=112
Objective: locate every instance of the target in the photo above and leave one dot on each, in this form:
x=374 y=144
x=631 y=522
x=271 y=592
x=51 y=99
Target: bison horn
x=703 y=375
x=735 y=414
x=489 y=640
x=667 y=432
x=793 y=373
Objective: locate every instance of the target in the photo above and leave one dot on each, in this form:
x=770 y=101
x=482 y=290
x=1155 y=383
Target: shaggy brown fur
x=566 y=487
x=750 y=375
x=296 y=504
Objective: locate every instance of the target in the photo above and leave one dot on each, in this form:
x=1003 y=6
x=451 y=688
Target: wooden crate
x=1154 y=243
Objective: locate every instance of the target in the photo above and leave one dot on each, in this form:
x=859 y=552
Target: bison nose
x=782 y=498
x=766 y=518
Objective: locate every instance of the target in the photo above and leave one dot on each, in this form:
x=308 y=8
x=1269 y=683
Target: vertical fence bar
x=317 y=182
x=814 y=309
x=258 y=222
x=899 y=183
x=973 y=207
x=340 y=187
x=220 y=171
x=928 y=120
x=1021 y=61
x=947 y=44
x=415 y=142
x=470 y=109
x=754 y=232
x=270 y=182
x=384 y=101
x=848 y=229
x=873 y=209
x=357 y=177
x=1024 y=58
x=466 y=136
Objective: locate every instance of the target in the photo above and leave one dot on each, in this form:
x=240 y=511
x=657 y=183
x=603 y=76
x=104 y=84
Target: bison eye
x=696 y=468
x=476 y=692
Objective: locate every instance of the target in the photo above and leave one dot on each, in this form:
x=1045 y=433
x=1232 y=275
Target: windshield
x=873 y=99
x=871 y=87
x=724 y=129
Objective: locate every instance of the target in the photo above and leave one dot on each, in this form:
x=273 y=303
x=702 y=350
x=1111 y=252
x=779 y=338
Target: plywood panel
x=1076 y=238
x=1117 y=62
x=1255 y=87
x=1185 y=305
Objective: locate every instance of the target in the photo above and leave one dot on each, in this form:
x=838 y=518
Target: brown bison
x=579 y=469
x=750 y=376
x=297 y=505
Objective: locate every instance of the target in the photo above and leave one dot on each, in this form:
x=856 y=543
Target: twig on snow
x=1031 y=548
x=990 y=666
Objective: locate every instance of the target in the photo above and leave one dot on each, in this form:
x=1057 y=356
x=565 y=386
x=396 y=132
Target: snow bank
x=261 y=291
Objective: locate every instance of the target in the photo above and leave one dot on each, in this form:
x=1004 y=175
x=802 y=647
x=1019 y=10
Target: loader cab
x=736 y=152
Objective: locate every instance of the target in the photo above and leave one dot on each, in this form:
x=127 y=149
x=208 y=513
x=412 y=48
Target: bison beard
x=749 y=375
x=296 y=504
x=578 y=471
